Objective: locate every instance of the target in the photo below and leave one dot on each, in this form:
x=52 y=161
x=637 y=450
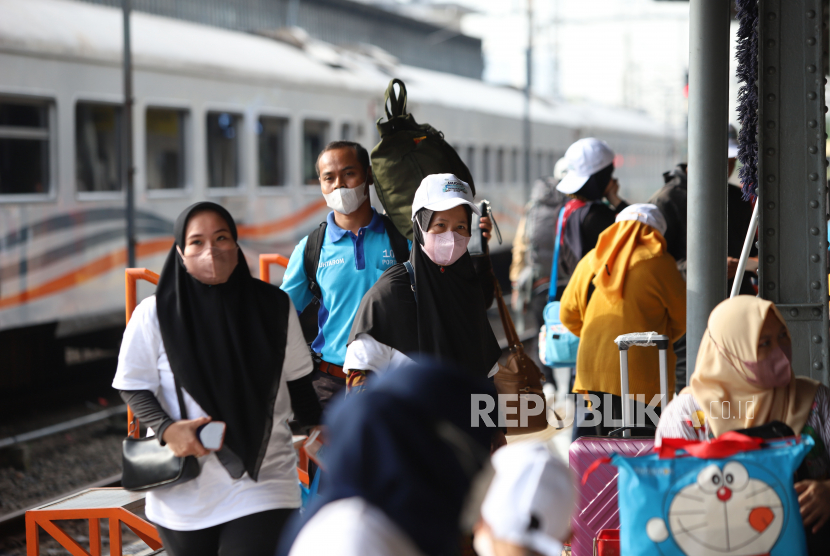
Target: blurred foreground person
x=527 y=510
x=627 y=283
x=403 y=466
x=439 y=309
x=214 y=343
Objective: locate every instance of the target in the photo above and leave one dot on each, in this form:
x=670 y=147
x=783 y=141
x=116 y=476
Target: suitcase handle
x=641 y=339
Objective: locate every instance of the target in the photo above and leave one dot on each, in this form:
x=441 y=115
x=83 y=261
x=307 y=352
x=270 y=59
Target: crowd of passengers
x=399 y=349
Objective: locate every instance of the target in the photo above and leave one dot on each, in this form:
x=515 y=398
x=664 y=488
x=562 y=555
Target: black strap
x=311 y=258
x=395 y=105
x=180 y=396
x=411 y=272
x=400 y=247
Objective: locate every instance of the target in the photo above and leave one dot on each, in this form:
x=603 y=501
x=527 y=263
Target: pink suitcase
x=596 y=501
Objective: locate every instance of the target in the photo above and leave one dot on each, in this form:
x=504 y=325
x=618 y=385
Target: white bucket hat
x=530 y=500
x=442 y=192
x=645 y=213
x=585 y=158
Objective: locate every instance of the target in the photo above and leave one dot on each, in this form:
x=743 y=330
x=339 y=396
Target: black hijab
x=594 y=188
x=226 y=346
x=449 y=322
x=388 y=447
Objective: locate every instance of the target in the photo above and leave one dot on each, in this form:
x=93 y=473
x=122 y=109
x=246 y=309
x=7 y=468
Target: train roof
x=65 y=29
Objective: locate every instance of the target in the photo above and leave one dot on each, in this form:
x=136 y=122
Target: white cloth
x=367 y=354
x=352 y=527
x=681 y=419
x=213 y=497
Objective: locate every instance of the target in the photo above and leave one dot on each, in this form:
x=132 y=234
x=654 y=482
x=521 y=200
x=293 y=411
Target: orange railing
x=131 y=276
x=265 y=262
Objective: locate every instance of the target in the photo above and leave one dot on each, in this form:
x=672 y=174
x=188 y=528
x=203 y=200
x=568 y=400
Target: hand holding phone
x=212 y=435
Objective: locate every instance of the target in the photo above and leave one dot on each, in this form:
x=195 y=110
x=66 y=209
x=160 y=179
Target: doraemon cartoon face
x=723 y=512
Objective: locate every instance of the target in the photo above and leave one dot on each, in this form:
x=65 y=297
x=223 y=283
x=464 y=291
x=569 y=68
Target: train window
x=485 y=161
x=272 y=133
x=165 y=148
x=346 y=132
x=24 y=147
x=500 y=166
x=315 y=136
x=97 y=147
x=514 y=166
x=551 y=163
x=223 y=149
x=471 y=161
x=540 y=171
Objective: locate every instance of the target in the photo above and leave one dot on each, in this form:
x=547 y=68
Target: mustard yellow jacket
x=653 y=299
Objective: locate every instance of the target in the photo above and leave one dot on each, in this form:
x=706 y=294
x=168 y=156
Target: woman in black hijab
x=439 y=309
x=234 y=346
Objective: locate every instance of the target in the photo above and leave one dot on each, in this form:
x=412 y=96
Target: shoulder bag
x=561 y=345
x=146 y=464
x=521 y=377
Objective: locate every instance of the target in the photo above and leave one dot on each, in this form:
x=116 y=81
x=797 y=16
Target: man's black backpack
x=311 y=260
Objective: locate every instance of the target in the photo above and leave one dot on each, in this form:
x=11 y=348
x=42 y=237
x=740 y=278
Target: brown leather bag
x=519 y=376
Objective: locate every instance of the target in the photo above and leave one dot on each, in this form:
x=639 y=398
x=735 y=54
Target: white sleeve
x=138 y=358
x=682 y=418
x=297 y=362
x=367 y=354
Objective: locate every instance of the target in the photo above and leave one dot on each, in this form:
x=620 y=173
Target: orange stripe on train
x=145 y=249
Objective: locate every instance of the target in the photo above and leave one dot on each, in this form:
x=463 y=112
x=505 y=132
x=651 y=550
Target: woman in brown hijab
x=743 y=378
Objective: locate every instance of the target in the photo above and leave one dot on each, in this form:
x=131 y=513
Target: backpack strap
x=311 y=258
x=399 y=245
x=411 y=272
x=554 y=269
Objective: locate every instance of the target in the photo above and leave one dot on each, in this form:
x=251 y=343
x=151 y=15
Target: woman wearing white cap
x=628 y=283
x=527 y=510
x=588 y=180
x=438 y=310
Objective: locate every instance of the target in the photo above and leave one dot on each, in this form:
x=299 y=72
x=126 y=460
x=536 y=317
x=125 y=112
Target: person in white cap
x=589 y=179
x=433 y=304
x=627 y=282
x=527 y=509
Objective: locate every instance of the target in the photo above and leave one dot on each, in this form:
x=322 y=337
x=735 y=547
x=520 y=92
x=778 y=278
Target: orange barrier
x=265 y=262
x=131 y=276
x=115 y=505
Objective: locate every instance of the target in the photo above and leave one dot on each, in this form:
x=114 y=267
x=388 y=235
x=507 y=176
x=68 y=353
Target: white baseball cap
x=645 y=213
x=439 y=192
x=530 y=500
x=585 y=158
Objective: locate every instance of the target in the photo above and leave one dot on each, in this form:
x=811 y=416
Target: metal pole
x=127 y=136
x=708 y=120
x=528 y=85
x=748 y=241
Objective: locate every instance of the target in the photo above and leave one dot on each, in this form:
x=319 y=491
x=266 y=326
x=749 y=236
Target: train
x=237 y=118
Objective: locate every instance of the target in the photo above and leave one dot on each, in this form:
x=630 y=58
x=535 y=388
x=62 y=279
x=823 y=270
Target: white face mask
x=346 y=200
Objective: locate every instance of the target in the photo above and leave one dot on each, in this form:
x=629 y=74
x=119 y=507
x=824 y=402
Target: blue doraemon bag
x=732 y=496
x=561 y=345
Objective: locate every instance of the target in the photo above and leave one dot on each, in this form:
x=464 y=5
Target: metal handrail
x=265 y=262
x=131 y=277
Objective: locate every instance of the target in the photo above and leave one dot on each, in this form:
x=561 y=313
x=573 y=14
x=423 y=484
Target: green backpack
x=406 y=154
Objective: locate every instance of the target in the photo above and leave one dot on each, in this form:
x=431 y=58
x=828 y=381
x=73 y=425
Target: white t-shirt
x=213 y=497
x=352 y=527
x=367 y=354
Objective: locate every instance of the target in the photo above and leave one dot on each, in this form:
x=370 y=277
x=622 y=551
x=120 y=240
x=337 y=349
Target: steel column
x=708 y=120
x=793 y=177
x=127 y=136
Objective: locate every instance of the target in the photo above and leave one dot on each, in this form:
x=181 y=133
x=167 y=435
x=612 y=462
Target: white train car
x=232 y=117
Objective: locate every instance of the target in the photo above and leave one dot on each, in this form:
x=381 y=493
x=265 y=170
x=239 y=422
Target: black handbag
x=146 y=464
